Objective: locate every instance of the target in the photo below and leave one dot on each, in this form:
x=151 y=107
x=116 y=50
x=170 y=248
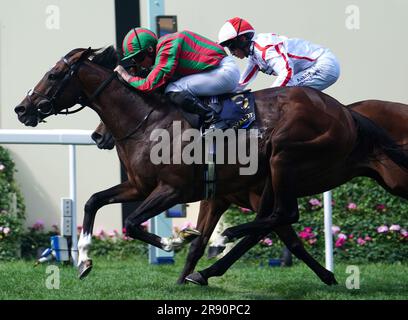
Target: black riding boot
x=192 y=104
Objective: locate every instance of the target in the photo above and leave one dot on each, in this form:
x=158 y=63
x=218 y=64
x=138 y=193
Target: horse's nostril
x=20 y=109
x=96 y=136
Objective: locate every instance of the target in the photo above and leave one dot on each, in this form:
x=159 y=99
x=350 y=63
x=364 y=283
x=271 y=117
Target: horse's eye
x=52 y=76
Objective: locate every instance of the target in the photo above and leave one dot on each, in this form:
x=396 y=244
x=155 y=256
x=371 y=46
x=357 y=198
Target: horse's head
x=56 y=91
x=102 y=137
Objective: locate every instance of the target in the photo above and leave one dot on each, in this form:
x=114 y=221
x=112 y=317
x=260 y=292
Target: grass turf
x=136 y=279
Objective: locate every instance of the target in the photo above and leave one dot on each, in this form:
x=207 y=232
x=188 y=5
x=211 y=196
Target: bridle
x=49 y=102
x=72 y=70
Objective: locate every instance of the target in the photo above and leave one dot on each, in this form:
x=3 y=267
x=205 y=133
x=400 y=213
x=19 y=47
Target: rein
x=137 y=127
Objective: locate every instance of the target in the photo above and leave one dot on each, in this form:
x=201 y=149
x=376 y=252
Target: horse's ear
x=85 y=54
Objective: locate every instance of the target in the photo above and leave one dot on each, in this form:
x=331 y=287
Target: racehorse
x=391 y=116
x=309 y=143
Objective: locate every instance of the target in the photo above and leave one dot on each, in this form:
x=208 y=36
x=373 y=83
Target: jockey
x=188 y=64
x=295 y=62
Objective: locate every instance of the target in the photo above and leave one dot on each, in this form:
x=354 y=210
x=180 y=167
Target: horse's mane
x=105 y=57
x=108 y=57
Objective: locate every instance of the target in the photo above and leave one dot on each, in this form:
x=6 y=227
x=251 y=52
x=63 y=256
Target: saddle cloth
x=237 y=109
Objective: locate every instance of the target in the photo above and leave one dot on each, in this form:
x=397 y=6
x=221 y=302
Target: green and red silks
x=178 y=55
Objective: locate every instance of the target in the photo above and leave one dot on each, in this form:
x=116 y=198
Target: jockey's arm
x=280 y=65
x=162 y=71
x=248 y=75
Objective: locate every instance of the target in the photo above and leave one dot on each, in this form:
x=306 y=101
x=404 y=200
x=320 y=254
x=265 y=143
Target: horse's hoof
x=329 y=279
x=197 y=278
x=84 y=268
x=214 y=251
x=189 y=234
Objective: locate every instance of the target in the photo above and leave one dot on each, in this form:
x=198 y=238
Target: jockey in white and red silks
x=295 y=62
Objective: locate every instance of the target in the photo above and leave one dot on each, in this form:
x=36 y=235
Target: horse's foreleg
x=123 y=192
x=208 y=217
x=162 y=198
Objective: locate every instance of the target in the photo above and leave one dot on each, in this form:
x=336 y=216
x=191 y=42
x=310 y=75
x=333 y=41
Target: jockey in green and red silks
x=188 y=64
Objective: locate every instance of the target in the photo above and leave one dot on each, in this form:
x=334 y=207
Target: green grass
x=136 y=279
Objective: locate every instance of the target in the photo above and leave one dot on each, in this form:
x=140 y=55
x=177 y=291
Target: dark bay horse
x=309 y=143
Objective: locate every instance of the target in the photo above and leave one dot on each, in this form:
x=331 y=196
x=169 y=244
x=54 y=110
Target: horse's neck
x=120 y=109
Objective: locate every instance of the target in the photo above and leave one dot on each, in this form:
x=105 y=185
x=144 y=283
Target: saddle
x=236 y=109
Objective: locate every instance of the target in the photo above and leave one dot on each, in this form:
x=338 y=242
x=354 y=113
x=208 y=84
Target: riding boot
x=192 y=104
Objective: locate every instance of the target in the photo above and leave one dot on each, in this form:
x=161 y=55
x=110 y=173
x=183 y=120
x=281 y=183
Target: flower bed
x=11 y=209
x=369 y=225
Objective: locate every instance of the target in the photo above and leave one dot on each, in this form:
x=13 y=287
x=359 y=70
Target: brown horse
x=310 y=141
x=390 y=116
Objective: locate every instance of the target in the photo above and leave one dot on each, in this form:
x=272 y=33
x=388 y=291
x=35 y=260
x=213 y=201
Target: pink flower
x=307 y=233
x=404 y=233
x=361 y=241
x=340 y=242
x=312 y=241
x=245 y=210
x=351 y=236
x=352 y=206
x=124 y=230
x=395 y=227
x=315 y=202
x=6 y=230
x=382 y=229
x=303 y=234
x=101 y=234
x=2 y=167
x=38 y=225
x=1 y=229
x=342 y=236
x=335 y=229
x=267 y=241
x=381 y=207
x=368 y=238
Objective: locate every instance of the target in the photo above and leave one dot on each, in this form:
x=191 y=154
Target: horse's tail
x=371 y=139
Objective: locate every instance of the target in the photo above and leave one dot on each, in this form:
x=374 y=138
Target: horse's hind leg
x=209 y=215
x=295 y=245
x=123 y=192
x=222 y=265
x=286 y=234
